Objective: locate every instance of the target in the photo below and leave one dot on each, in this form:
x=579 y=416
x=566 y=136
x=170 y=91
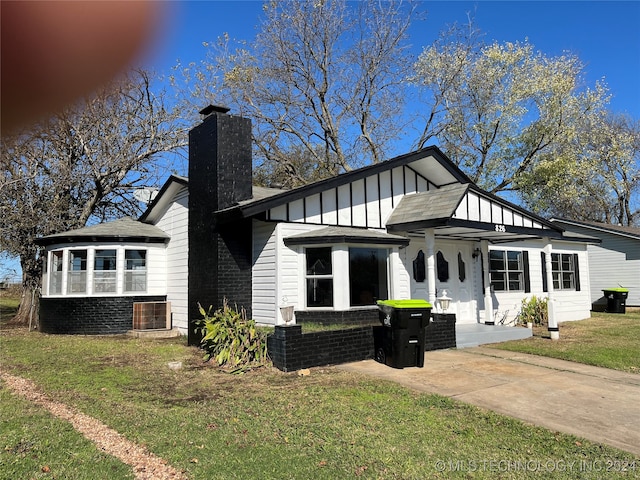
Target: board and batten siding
x=366 y=202
x=478 y=208
x=174 y=222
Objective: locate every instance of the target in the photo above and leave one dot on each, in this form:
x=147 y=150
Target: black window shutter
x=525 y=264
x=543 y=258
x=575 y=265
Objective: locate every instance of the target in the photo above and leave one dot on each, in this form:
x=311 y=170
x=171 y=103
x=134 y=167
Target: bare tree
x=325 y=76
x=82 y=164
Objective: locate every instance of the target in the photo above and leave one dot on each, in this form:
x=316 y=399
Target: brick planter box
x=291 y=350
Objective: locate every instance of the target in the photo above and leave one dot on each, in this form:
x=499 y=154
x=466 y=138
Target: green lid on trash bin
x=621 y=290
x=414 y=303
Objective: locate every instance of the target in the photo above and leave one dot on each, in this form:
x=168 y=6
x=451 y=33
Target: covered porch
x=451 y=230
x=474 y=335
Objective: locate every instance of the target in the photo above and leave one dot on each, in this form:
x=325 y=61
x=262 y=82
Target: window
x=135 y=274
x=367 y=275
x=77 y=276
x=104 y=271
x=319 y=277
x=509 y=270
x=442 y=267
x=564 y=269
x=462 y=270
x=55 y=273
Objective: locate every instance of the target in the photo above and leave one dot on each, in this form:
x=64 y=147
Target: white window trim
x=89 y=290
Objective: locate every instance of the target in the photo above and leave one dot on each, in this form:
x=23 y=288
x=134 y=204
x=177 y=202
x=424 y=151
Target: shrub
x=231 y=340
x=534 y=310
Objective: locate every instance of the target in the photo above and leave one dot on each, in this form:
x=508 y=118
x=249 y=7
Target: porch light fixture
x=444 y=301
x=476 y=253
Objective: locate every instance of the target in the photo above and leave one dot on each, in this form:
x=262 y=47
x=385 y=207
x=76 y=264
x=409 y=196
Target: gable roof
x=122 y=230
x=465 y=211
x=630 y=232
x=165 y=196
x=428 y=162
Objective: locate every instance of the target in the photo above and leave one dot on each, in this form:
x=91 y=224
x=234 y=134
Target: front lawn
x=604 y=340
x=264 y=424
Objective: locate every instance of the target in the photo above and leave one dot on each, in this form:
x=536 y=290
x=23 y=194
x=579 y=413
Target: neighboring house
x=614 y=262
x=410 y=227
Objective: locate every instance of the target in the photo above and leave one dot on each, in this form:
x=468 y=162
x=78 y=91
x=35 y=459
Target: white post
x=554 y=331
x=488 y=300
x=430 y=240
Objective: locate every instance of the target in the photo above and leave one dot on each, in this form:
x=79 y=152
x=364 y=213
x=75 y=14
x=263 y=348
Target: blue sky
x=604 y=35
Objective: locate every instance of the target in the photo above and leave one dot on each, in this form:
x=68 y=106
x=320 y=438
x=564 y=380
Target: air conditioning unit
x=152 y=315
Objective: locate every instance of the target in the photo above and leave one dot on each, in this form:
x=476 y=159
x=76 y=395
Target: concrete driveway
x=598 y=404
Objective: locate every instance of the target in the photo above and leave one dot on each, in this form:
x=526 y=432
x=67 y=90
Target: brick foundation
x=90 y=315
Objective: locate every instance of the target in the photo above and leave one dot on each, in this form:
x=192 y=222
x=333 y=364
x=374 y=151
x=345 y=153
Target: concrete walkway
x=598 y=404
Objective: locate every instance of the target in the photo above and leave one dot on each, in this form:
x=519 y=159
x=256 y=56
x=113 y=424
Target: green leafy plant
x=231 y=339
x=534 y=310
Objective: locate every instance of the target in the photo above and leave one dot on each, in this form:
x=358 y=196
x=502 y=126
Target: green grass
x=265 y=424
x=605 y=340
x=34 y=444
x=8 y=306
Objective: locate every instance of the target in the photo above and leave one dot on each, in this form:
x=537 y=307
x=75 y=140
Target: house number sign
x=500 y=228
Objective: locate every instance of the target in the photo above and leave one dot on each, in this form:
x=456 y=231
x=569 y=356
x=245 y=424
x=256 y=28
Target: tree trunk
x=28 y=311
x=27 y=314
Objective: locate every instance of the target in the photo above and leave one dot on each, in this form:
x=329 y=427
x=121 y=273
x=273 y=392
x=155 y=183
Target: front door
x=455 y=274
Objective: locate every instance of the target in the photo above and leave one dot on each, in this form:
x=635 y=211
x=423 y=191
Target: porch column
x=488 y=300
x=430 y=240
x=554 y=331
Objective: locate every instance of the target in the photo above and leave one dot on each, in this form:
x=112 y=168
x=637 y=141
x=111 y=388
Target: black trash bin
x=616 y=299
x=400 y=342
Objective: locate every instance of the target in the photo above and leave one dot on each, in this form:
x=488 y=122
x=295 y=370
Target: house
x=614 y=262
x=414 y=226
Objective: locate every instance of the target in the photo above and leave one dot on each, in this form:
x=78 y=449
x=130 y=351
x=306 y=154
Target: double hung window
x=509 y=270
x=135 y=273
x=77 y=272
x=319 y=277
x=104 y=271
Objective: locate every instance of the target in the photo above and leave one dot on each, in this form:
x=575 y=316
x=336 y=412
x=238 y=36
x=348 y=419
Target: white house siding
x=611 y=267
x=569 y=304
x=174 y=222
x=615 y=262
x=264 y=271
x=290 y=268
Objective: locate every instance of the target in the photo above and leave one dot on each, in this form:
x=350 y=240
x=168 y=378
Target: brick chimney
x=220 y=167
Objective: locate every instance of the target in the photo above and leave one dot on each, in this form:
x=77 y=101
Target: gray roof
x=430 y=205
x=123 y=229
x=633 y=232
x=346 y=235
